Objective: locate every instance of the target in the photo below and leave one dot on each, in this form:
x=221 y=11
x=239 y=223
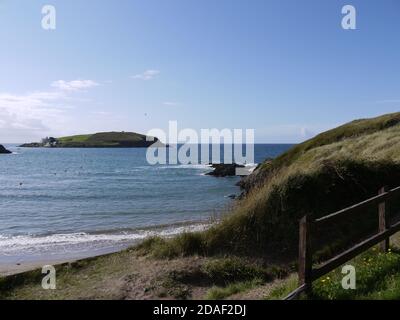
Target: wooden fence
x=308 y=274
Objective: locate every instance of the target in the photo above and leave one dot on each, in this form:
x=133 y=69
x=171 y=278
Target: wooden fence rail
x=308 y=274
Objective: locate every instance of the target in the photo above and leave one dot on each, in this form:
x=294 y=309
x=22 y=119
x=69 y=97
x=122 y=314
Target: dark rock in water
x=4 y=150
x=232 y=196
x=31 y=145
x=224 y=170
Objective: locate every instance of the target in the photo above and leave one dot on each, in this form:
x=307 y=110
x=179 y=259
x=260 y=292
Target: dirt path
x=123 y=275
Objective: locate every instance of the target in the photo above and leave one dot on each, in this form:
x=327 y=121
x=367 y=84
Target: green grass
x=281 y=291
x=78 y=138
x=219 y=293
x=233 y=269
x=184 y=244
x=103 y=139
x=377 y=277
x=224 y=276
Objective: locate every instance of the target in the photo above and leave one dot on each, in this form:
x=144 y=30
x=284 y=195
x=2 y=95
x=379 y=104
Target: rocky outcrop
x=4 y=150
x=32 y=145
x=257 y=178
x=224 y=170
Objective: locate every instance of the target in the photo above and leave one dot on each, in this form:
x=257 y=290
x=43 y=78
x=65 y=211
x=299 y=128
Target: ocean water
x=79 y=202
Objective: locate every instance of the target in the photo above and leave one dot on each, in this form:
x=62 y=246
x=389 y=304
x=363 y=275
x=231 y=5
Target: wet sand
x=14 y=265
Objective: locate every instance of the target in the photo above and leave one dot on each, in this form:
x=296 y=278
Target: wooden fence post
x=305 y=255
x=383 y=222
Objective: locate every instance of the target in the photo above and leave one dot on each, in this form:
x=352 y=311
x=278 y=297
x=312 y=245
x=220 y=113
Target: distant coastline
x=96 y=140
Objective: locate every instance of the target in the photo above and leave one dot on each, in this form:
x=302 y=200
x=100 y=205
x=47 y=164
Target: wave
x=81 y=241
x=251 y=164
x=188 y=166
x=251 y=167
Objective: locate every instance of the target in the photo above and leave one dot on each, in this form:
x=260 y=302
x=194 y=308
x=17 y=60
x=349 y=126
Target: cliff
x=332 y=171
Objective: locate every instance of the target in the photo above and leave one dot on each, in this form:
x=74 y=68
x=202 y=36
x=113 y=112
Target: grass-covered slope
x=329 y=172
x=354 y=129
x=101 y=140
x=357 y=128
x=377 y=278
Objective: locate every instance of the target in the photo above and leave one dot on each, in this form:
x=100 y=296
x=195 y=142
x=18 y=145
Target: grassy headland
x=327 y=173
x=254 y=245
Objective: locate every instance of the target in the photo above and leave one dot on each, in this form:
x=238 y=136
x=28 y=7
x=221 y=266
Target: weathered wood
x=353 y=252
x=296 y=293
x=305 y=255
x=307 y=274
x=374 y=201
x=383 y=222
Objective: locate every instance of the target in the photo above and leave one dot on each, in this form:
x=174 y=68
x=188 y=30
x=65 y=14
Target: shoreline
x=54 y=253
x=11 y=269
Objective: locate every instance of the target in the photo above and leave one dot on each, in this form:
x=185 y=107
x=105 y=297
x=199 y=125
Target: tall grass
x=325 y=174
x=218 y=293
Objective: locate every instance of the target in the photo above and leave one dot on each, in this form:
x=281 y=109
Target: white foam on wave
x=251 y=164
x=188 y=166
x=75 y=242
x=250 y=167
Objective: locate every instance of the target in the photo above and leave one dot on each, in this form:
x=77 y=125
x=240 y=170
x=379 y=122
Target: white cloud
x=147 y=75
x=74 y=85
x=27 y=117
x=101 y=113
x=171 y=104
x=28 y=114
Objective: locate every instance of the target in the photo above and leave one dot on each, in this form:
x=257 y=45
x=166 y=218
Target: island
x=96 y=140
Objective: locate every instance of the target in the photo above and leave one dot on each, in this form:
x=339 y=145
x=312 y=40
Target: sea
x=58 y=204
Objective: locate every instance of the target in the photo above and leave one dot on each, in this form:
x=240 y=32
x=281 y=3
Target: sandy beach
x=14 y=265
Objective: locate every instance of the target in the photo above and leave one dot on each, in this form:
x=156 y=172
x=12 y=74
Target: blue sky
x=284 y=68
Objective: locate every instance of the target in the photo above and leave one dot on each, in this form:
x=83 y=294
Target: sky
x=285 y=68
